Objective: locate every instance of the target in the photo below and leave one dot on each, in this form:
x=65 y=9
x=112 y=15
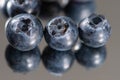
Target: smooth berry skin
x=24 y=31
x=15 y=7
x=77 y=46
x=22 y=61
x=57 y=62
x=94 y=31
x=91 y=57
x=79 y=10
x=61 y=33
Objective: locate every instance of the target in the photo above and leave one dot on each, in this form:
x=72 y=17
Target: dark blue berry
x=22 y=62
x=24 y=32
x=79 y=11
x=15 y=7
x=61 y=33
x=57 y=62
x=77 y=46
x=91 y=57
x=3 y=9
x=95 y=30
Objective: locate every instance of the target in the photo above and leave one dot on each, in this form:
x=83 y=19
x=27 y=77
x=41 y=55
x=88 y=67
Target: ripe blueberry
x=61 y=33
x=79 y=11
x=57 y=62
x=95 y=30
x=3 y=10
x=22 y=62
x=15 y=7
x=91 y=57
x=24 y=31
x=77 y=46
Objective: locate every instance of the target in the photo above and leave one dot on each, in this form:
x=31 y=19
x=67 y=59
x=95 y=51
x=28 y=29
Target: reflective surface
x=57 y=62
x=91 y=57
x=20 y=61
x=109 y=70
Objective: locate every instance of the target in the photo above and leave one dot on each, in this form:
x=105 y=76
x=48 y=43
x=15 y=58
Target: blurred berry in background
x=14 y=7
x=79 y=10
x=3 y=9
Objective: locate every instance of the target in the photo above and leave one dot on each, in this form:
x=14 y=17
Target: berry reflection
x=91 y=57
x=22 y=62
x=57 y=62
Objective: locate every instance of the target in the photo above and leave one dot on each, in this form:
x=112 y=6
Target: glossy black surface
x=57 y=62
x=22 y=62
x=91 y=57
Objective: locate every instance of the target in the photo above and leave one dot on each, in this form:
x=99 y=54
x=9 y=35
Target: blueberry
x=50 y=10
x=77 y=46
x=24 y=32
x=3 y=10
x=79 y=11
x=57 y=62
x=61 y=33
x=22 y=62
x=91 y=57
x=15 y=7
x=62 y=3
x=95 y=30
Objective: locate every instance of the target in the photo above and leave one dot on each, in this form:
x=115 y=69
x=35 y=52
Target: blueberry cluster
x=63 y=34
x=24 y=31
